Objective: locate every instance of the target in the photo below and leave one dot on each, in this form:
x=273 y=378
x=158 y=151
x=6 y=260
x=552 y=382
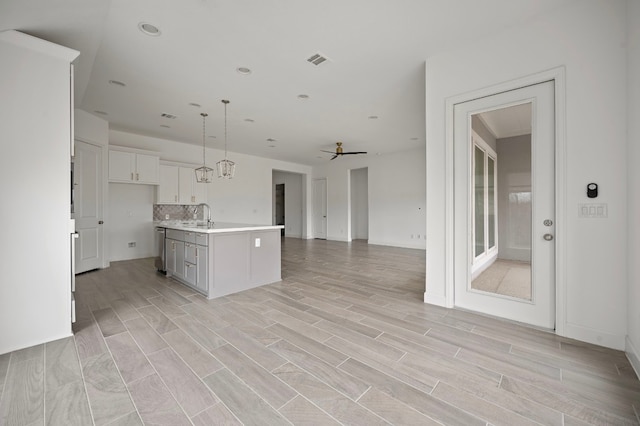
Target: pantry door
x=88 y=207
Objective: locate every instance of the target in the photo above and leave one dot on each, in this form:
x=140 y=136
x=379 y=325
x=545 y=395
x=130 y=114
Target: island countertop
x=216 y=227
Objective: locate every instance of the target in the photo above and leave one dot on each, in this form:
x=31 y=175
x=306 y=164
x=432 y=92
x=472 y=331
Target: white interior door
x=320 y=208
x=88 y=206
x=539 y=308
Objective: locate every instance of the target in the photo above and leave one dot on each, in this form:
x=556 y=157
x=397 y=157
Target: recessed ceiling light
x=101 y=112
x=167 y=115
x=373 y=117
x=243 y=70
x=149 y=29
x=271 y=140
x=165 y=126
x=303 y=96
x=117 y=83
x=193 y=104
x=249 y=120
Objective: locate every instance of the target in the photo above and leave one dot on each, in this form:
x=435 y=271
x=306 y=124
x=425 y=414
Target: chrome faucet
x=209 y=221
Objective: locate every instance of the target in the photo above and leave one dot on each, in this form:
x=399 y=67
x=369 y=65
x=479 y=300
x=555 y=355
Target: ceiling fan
x=339 y=151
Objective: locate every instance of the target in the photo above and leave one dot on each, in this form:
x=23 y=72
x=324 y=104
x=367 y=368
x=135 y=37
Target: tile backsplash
x=176 y=212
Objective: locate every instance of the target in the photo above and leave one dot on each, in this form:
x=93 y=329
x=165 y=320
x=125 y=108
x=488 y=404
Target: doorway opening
x=289 y=202
x=359 y=204
x=280 y=211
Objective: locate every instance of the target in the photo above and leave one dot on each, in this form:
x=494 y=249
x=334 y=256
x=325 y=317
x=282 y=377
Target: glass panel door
x=506 y=267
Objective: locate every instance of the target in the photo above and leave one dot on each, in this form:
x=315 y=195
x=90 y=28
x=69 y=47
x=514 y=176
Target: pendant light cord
x=204 y=132
x=225 y=102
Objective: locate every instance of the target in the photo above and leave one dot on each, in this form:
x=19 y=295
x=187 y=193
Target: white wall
x=130 y=209
x=396 y=197
x=293 y=202
x=587 y=38
x=35 y=133
x=247 y=198
x=633 y=177
x=514 y=175
x=360 y=204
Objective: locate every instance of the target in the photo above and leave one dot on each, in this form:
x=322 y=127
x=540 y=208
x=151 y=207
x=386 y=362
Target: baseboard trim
x=435 y=299
x=341 y=239
x=421 y=246
x=597 y=337
x=633 y=355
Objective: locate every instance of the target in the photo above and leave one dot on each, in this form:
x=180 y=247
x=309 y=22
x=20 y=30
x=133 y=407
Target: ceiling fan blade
x=330 y=152
x=334 y=157
x=355 y=152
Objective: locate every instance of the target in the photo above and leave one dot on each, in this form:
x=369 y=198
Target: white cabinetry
x=36 y=88
x=178 y=185
x=167 y=191
x=130 y=167
x=191 y=192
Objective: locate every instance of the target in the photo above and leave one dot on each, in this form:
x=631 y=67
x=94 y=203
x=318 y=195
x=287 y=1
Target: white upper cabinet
x=178 y=185
x=130 y=167
x=167 y=191
x=191 y=192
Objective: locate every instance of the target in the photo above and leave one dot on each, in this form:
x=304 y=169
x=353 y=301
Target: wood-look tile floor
x=344 y=339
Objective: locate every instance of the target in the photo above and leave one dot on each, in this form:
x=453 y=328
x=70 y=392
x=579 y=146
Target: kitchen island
x=222 y=258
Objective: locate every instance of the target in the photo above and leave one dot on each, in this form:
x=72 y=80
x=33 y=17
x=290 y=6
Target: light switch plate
x=257 y=242
x=593 y=210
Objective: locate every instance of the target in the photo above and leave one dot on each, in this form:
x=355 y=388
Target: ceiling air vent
x=171 y=116
x=317 y=59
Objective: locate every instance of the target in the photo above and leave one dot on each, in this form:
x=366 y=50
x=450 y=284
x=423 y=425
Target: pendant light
x=226 y=168
x=204 y=174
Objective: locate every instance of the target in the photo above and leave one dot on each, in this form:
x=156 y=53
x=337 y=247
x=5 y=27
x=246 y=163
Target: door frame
x=557 y=75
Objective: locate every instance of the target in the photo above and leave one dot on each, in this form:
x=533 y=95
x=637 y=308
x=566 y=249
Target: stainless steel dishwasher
x=161 y=254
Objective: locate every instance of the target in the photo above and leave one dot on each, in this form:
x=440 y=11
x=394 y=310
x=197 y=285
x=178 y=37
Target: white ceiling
x=508 y=122
x=377 y=50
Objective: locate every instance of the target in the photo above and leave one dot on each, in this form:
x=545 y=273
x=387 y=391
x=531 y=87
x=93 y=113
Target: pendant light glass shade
x=204 y=174
x=226 y=168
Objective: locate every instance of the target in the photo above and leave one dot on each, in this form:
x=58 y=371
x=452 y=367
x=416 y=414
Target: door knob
x=547 y=237
x=100 y=222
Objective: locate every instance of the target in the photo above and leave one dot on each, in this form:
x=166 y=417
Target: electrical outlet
x=132 y=244
x=257 y=242
x=166 y=217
